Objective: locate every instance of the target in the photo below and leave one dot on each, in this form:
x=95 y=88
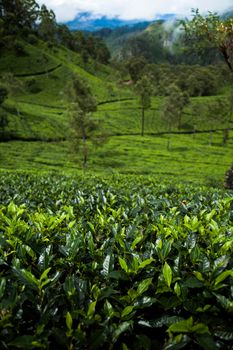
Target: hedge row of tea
x=122 y=263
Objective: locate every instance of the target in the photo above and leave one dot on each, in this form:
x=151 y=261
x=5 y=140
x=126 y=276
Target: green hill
x=143 y=39
x=117 y=38
x=37 y=72
x=37 y=82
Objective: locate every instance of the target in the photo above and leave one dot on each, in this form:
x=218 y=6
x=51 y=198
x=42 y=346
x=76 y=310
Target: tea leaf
x=167 y=274
x=223 y=276
x=144 y=285
x=123 y=264
x=69 y=321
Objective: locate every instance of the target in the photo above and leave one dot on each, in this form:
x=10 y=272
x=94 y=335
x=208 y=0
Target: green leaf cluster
x=114 y=264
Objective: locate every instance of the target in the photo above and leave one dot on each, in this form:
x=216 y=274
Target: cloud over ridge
x=131 y=9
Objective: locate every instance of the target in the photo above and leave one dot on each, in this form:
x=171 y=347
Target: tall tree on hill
x=84 y=128
x=173 y=107
x=135 y=67
x=213 y=32
x=64 y=36
x=47 y=26
x=102 y=52
x=19 y=16
x=144 y=90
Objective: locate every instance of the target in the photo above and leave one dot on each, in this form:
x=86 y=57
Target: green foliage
x=203 y=82
x=213 y=32
x=135 y=66
x=32 y=86
x=148 y=44
x=88 y=46
x=18 y=16
x=90 y=263
x=229 y=178
x=193 y=79
x=3 y=123
x=83 y=126
x=19 y=48
x=173 y=106
x=79 y=93
x=47 y=25
x=13 y=85
x=3 y=94
x=3 y=115
x=144 y=90
x=36 y=107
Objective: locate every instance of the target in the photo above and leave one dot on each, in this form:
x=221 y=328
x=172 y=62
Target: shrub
x=19 y=48
x=3 y=94
x=32 y=39
x=228 y=183
x=32 y=86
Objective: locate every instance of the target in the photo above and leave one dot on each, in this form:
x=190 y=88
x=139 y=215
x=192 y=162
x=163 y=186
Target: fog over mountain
x=86 y=21
x=131 y=9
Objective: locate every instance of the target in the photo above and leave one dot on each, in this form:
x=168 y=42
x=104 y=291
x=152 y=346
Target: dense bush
x=32 y=86
x=19 y=48
x=229 y=178
x=192 y=79
x=32 y=39
x=117 y=264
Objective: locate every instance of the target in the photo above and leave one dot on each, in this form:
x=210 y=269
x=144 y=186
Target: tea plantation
x=116 y=263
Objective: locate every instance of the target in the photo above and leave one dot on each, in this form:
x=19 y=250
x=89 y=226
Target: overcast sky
x=66 y=10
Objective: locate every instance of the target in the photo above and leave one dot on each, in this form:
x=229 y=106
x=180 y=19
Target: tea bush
x=118 y=263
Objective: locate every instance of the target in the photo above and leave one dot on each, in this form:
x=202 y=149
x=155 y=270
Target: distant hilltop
x=87 y=21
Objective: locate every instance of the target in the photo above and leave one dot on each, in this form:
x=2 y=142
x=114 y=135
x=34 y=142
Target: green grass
x=44 y=115
x=124 y=117
x=190 y=158
x=34 y=60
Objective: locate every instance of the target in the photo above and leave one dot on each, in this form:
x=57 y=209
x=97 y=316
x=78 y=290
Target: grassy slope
x=190 y=158
x=42 y=116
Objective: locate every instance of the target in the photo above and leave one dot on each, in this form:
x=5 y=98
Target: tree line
x=26 y=19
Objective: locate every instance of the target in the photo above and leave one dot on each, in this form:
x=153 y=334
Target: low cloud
x=131 y=9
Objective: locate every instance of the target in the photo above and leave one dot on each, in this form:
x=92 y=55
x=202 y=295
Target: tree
x=19 y=16
x=47 y=26
x=173 y=106
x=135 y=67
x=212 y=32
x=101 y=51
x=64 y=36
x=144 y=90
x=202 y=82
x=217 y=111
x=84 y=128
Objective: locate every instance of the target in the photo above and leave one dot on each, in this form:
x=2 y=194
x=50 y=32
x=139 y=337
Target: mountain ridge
x=86 y=21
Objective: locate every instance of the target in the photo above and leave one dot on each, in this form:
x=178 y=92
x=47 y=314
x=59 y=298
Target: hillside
x=160 y=41
x=191 y=142
x=37 y=111
x=37 y=81
x=116 y=38
x=153 y=40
